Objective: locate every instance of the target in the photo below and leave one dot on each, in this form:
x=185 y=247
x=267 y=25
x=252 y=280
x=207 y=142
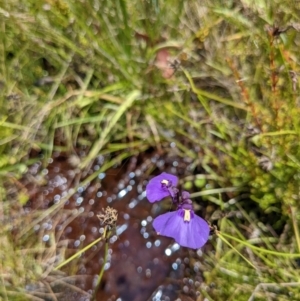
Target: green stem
x=279 y=133
x=230 y=245
x=247 y=244
x=81 y=251
x=296 y=228
x=101 y=272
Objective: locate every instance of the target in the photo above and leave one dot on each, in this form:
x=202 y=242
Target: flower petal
x=196 y=233
x=155 y=191
x=168 y=224
x=193 y=234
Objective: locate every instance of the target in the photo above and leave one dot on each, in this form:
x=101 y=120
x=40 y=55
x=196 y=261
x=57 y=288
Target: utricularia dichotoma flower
x=188 y=229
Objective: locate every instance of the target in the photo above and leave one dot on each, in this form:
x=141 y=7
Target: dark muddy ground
x=141 y=265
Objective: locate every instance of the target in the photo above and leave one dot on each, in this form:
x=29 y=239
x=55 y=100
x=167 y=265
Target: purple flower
x=161 y=186
x=188 y=229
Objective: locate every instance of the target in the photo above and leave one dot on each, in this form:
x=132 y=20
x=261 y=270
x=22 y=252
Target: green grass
x=91 y=74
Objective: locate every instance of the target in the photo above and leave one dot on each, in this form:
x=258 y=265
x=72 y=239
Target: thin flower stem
x=81 y=251
x=101 y=272
x=215 y=191
x=231 y=246
x=247 y=244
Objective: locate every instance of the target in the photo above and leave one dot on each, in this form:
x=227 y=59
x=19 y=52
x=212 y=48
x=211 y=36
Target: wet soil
x=141 y=265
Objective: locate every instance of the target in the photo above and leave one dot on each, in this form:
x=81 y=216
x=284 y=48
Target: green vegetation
x=213 y=82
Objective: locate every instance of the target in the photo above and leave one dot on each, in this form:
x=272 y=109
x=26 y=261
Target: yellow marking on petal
x=187 y=215
x=165 y=182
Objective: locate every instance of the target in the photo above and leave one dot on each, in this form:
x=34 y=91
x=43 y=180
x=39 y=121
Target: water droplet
x=142 y=195
x=153 y=160
x=56 y=198
x=146 y=235
x=45 y=225
x=76 y=243
x=45 y=172
x=91 y=202
x=79 y=201
x=113 y=239
x=157 y=296
x=175 y=247
x=122 y=193
x=161 y=163
x=132 y=204
x=121 y=229
x=149 y=219
x=139 y=269
x=101 y=175
x=121 y=185
x=186 y=260
x=168 y=252
x=157 y=243
x=100 y=159
x=148 y=244
x=46 y=237
x=56 y=169
x=200 y=253
x=144 y=223
x=175 y=266
x=80 y=189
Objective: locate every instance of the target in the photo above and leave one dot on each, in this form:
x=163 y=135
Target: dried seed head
x=108 y=217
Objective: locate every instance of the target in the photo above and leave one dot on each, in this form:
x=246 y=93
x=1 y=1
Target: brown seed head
x=108 y=217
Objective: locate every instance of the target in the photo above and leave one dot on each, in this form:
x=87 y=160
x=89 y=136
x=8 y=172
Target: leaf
x=106 y=131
